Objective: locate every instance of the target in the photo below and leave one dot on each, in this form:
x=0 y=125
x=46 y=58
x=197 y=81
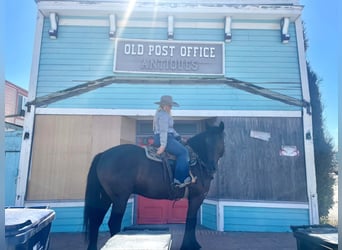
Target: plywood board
x=63 y=148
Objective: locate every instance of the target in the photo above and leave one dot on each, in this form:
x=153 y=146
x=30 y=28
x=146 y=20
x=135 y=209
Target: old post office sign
x=169 y=57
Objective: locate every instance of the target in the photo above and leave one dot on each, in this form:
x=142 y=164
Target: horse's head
x=209 y=145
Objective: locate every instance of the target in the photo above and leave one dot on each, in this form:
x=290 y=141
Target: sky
x=320 y=18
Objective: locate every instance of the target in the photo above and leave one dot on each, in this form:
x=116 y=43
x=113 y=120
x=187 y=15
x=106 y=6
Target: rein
x=202 y=166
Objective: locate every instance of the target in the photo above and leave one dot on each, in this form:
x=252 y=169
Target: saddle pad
x=151 y=153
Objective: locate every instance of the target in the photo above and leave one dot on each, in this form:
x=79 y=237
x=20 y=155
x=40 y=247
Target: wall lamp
x=228 y=30
x=284 y=25
x=170 y=24
x=112 y=26
x=53 y=31
x=308 y=135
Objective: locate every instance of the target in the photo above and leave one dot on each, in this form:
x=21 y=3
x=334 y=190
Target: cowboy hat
x=167 y=100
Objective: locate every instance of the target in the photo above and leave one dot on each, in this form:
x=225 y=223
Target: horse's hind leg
x=118 y=210
x=96 y=215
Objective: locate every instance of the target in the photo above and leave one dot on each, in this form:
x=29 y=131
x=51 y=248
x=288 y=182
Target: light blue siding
x=12 y=155
x=209 y=216
x=254 y=219
x=258 y=219
x=143 y=33
x=70 y=219
x=199 y=34
x=81 y=54
x=259 y=56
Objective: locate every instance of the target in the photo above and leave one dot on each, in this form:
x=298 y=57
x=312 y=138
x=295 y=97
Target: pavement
x=209 y=239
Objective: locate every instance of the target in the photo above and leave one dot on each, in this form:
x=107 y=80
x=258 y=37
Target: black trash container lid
x=324 y=235
x=22 y=223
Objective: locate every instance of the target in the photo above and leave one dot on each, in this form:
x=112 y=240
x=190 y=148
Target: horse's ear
x=221 y=126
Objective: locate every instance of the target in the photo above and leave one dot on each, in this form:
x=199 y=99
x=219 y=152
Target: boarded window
x=63 y=148
x=253 y=168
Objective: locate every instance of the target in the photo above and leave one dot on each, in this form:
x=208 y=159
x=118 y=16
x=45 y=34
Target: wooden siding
x=63 y=148
x=12 y=154
x=83 y=53
x=209 y=216
x=13 y=93
x=79 y=54
x=259 y=219
x=253 y=216
x=70 y=219
x=258 y=56
x=191 y=97
x=252 y=169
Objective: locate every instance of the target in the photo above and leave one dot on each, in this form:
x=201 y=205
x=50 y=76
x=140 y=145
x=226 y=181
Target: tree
x=325 y=157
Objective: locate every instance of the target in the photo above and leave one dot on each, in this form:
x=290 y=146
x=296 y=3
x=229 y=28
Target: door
x=161 y=211
x=151 y=211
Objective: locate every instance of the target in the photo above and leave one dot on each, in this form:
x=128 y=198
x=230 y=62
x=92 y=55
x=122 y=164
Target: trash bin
x=28 y=228
x=316 y=237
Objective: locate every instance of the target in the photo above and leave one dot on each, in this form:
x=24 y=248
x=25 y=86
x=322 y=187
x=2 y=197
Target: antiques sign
x=169 y=57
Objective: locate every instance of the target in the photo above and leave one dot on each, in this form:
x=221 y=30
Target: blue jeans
x=180 y=151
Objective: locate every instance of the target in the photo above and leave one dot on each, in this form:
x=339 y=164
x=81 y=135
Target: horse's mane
x=197 y=144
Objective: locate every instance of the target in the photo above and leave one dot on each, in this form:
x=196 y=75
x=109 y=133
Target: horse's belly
x=152 y=192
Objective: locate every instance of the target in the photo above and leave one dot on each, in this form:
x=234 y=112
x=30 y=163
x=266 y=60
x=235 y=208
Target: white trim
x=307 y=128
x=211 y=202
x=25 y=153
x=201 y=214
x=302 y=60
x=263 y=204
x=54 y=204
x=220 y=217
x=61 y=203
x=201 y=2
x=208 y=11
x=147 y=113
x=160 y=24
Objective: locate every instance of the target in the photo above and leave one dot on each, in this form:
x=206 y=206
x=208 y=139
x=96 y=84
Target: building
x=15 y=99
x=100 y=66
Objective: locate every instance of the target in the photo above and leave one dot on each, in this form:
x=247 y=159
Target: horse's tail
x=93 y=195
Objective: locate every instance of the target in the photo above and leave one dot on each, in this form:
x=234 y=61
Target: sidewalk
x=209 y=239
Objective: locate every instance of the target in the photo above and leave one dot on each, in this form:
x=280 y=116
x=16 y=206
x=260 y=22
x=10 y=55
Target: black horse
x=123 y=170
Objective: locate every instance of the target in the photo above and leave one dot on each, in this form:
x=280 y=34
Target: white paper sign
x=260 y=135
x=288 y=151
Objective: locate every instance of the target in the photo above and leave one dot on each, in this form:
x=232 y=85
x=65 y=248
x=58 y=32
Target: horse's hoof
x=92 y=248
x=190 y=248
x=194 y=246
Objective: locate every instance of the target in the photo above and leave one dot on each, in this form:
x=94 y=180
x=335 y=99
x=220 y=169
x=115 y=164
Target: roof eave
x=208 y=11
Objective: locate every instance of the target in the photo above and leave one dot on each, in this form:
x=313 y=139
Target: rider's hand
x=161 y=150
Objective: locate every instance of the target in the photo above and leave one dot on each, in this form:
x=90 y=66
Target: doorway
x=150 y=211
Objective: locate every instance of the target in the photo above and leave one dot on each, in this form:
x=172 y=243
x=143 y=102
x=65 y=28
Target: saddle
x=168 y=161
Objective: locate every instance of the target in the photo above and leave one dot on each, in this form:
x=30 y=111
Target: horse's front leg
x=189 y=240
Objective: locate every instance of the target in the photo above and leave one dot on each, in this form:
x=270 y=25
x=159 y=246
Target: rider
x=167 y=139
